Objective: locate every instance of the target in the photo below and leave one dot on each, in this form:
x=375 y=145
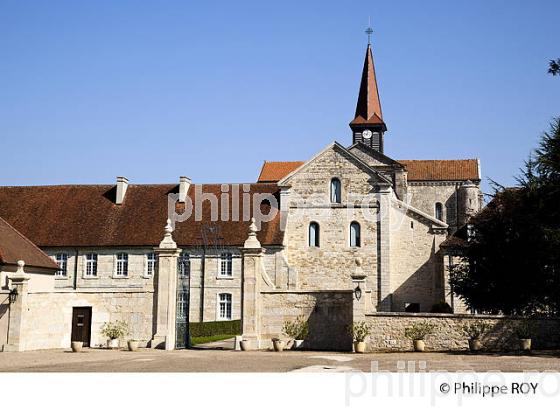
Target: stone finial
x=167 y=241
x=20 y=270
x=252 y=242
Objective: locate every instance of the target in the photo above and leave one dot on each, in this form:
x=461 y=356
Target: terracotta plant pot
x=278 y=345
x=525 y=344
x=113 y=343
x=133 y=345
x=77 y=346
x=360 y=347
x=475 y=345
x=244 y=345
x=419 y=345
x=298 y=344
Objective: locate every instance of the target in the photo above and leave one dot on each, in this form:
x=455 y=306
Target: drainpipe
x=75 y=279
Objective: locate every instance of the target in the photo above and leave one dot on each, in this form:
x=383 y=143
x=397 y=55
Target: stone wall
x=4 y=316
x=328 y=315
x=388 y=332
x=48 y=319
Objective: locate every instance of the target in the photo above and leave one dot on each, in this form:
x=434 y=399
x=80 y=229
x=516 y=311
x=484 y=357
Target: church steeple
x=368 y=125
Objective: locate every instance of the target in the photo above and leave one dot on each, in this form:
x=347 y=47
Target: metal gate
x=182 y=338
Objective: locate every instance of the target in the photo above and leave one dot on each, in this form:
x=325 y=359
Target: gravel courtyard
x=208 y=360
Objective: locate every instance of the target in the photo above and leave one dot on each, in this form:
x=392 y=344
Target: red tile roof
x=418 y=170
x=442 y=170
x=86 y=215
x=275 y=171
x=15 y=247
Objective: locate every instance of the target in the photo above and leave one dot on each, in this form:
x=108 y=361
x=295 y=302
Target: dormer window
x=336 y=195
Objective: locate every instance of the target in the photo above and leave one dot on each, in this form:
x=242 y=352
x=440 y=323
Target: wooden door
x=81 y=325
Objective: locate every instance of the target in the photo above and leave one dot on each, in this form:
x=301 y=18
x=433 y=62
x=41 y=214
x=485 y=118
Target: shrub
x=297 y=329
x=114 y=330
x=224 y=327
x=475 y=330
x=524 y=330
x=441 y=307
x=419 y=331
x=359 y=331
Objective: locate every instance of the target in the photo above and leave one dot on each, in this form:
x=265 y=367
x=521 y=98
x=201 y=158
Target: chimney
x=184 y=184
x=122 y=185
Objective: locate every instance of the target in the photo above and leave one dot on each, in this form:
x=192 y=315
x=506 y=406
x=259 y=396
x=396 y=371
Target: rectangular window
x=226 y=259
x=91 y=264
x=122 y=264
x=151 y=264
x=62 y=261
x=225 y=306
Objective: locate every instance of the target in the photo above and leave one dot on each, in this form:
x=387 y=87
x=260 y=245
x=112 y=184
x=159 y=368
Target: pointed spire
x=368 y=108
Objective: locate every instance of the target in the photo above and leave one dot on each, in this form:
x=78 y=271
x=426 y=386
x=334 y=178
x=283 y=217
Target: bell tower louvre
x=368 y=125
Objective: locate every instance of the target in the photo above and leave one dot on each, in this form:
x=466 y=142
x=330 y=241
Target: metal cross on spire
x=369 y=31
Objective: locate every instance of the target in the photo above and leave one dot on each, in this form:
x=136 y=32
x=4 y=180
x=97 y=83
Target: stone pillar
x=18 y=283
x=359 y=292
x=384 y=303
x=166 y=287
x=252 y=265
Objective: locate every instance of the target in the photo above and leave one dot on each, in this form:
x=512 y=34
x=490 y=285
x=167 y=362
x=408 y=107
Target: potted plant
x=359 y=332
x=474 y=332
x=133 y=345
x=114 y=331
x=278 y=344
x=524 y=331
x=297 y=330
x=417 y=333
x=77 y=346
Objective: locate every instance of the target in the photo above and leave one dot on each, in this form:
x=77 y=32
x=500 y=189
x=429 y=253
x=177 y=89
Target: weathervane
x=369 y=32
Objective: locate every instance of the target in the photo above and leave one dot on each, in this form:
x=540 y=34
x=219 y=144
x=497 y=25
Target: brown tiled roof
x=418 y=170
x=15 y=247
x=442 y=170
x=275 y=171
x=86 y=215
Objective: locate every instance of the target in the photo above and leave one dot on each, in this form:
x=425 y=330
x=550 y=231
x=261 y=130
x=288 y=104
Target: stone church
x=334 y=238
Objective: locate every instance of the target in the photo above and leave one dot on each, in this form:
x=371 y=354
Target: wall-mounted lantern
x=13 y=295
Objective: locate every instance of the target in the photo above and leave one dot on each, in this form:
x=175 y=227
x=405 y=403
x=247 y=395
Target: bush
x=297 y=329
x=441 y=307
x=225 y=327
x=524 y=330
x=419 y=331
x=114 y=330
x=359 y=331
x=476 y=329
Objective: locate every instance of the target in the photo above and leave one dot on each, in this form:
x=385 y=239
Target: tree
x=511 y=260
x=554 y=67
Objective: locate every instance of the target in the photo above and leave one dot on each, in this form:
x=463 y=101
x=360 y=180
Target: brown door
x=81 y=325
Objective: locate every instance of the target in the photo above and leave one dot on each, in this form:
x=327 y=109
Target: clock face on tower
x=367 y=134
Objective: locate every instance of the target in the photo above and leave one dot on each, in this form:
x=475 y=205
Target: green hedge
x=226 y=327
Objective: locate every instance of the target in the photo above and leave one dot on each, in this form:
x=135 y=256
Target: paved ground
x=207 y=360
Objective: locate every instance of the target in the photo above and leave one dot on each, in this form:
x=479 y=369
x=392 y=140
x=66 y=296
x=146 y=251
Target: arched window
x=439 y=211
x=355 y=235
x=336 y=195
x=314 y=234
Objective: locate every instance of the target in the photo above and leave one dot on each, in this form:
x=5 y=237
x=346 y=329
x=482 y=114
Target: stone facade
x=388 y=332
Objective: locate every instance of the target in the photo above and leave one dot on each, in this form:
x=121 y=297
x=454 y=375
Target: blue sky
x=154 y=90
